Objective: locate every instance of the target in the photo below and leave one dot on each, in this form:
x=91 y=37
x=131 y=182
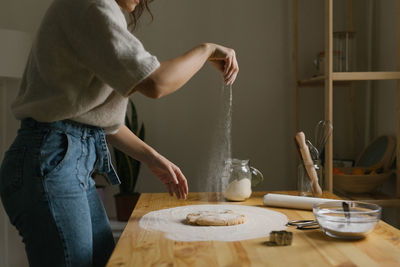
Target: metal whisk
x=313 y=151
x=323 y=130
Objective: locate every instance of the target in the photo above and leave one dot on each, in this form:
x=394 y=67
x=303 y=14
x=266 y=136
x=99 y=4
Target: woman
x=83 y=66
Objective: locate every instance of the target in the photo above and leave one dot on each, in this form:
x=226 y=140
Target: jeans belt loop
x=104 y=157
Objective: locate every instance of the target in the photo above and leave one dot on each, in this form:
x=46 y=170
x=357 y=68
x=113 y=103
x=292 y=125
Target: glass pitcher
x=239 y=178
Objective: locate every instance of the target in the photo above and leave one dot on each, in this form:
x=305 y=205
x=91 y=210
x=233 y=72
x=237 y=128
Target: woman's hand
x=170 y=175
x=224 y=59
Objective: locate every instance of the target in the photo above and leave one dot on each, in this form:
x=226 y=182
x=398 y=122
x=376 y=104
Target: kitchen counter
x=138 y=247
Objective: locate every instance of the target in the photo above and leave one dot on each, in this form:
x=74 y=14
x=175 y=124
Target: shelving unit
x=331 y=79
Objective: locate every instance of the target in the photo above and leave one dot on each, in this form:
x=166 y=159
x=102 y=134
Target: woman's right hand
x=224 y=59
x=174 y=73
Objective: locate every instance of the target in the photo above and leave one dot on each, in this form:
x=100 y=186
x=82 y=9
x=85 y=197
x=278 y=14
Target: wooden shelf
x=345 y=78
x=314 y=81
x=365 y=76
x=330 y=79
x=320 y=81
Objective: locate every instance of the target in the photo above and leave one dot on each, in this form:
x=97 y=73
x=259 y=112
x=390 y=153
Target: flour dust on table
x=221 y=150
x=172 y=222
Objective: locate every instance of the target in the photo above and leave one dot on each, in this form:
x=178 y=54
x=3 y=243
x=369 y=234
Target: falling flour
x=221 y=151
x=260 y=222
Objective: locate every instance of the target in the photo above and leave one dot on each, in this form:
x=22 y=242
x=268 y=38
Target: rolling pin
x=308 y=164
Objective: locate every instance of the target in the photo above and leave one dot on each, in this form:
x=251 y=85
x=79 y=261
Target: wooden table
x=138 y=247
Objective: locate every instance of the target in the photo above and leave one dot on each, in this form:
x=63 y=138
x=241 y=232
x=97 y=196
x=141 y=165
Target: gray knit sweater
x=83 y=64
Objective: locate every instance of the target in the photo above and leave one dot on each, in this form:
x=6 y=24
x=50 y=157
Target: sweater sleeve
x=104 y=45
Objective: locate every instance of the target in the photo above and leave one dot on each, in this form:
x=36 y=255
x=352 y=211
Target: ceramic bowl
x=360 y=219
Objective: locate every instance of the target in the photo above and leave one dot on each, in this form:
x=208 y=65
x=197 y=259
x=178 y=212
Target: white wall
x=23 y=15
x=181 y=125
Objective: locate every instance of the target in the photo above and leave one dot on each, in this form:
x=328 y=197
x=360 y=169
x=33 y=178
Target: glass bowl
x=347 y=219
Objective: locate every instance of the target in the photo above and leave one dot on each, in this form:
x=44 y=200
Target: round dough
x=215 y=218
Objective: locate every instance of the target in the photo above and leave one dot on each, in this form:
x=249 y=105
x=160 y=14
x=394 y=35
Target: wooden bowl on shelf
x=358 y=180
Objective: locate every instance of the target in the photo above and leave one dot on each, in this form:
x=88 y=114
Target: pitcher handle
x=256 y=177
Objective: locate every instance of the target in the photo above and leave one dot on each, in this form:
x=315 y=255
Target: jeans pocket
x=53 y=152
x=11 y=172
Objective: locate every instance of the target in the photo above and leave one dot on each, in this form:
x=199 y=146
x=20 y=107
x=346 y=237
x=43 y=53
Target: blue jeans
x=49 y=195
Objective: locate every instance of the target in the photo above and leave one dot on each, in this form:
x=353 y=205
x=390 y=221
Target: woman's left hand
x=167 y=172
x=170 y=175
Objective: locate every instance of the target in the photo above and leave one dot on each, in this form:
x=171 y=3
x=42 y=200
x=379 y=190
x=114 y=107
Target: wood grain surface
x=138 y=247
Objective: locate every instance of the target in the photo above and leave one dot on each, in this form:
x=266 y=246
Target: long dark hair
x=135 y=14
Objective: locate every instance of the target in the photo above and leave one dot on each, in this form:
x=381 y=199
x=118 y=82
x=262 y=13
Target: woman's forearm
x=173 y=74
x=126 y=141
x=167 y=172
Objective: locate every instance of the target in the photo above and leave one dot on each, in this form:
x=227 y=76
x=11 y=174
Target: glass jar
x=240 y=178
x=304 y=185
x=343 y=43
